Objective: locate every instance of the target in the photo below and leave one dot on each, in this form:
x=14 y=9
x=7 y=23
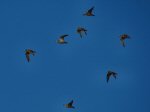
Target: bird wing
x=90 y=10
x=108 y=76
x=80 y=34
x=114 y=75
x=128 y=37
x=32 y=52
x=122 y=42
x=28 y=57
x=70 y=103
x=85 y=32
x=63 y=36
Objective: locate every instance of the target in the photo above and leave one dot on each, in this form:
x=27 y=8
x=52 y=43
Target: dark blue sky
x=60 y=73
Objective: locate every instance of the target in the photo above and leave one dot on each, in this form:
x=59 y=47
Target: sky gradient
x=77 y=70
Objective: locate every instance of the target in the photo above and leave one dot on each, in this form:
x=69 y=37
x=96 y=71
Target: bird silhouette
x=81 y=30
x=69 y=105
x=89 y=12
x=61 y=39
x=123 y=37
x=109 y=74
x=28 y=52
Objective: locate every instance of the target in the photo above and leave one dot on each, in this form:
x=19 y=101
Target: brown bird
x=122 y=39
x=28 y=52
x=109 y=74
x=89 y=12
x=81 y=30
x=69 y=105
x=61 y=39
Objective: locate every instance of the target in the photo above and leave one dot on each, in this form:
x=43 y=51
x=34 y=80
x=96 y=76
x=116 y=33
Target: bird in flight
x=81 y=30
x=28 y=52
x=123 y=37
x=109 y=74
x=69 y=105
x=89 y=12
x=61 y=39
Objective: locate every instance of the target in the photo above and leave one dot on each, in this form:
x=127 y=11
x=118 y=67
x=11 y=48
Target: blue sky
x=60 y=73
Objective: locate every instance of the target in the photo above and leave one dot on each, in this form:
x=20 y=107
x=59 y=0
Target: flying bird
x=123 y=37
x=28 y=52
x=109 y=74
x=89 y=12
x=61 y=39
x=81 y=30
x=69 y=105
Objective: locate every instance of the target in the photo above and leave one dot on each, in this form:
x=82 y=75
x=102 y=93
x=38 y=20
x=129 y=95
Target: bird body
x=61 y=39
x=89 y=12
x=122 y=39
x=69 y=105
x=81 y=30
x=28 y=52
x=109 y=74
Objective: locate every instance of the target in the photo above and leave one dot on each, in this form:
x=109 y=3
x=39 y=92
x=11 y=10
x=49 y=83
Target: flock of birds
x=80 y=31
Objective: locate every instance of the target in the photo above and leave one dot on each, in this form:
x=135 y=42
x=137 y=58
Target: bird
x=81 y=30
x=109 y=74
x=122 y=39
x=61 y=39
x=28 y=52
x=69 y=105
x=89 y=12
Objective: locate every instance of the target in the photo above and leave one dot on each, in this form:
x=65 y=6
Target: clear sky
x=77 y=70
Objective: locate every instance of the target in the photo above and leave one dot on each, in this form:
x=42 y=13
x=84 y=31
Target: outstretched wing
x=122 y=42
x=85 y=31
x=70 y=103
x=128 y=37
x=28 y=57
x=108 y=76
x=91 y=9
x=63 y=36
x=80 y=34
x=114 y=75
x=33 y=52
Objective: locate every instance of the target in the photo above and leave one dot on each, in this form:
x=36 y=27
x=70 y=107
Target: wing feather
x=91 y=9
x=28 y=57
x=63 y=36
